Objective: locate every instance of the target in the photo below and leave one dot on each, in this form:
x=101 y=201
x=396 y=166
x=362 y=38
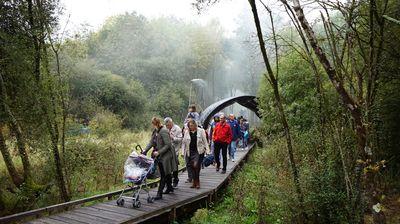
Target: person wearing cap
x=175 y=132
x=192 y=114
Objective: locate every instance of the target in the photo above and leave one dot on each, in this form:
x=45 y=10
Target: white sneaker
x=233 y=160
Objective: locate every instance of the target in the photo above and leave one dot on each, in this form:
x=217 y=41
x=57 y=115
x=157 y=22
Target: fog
x=173 y=49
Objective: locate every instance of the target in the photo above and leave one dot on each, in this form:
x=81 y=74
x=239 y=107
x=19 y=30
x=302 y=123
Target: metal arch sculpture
x=247 y=101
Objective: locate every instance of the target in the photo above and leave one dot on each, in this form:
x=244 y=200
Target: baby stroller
x=137 y=169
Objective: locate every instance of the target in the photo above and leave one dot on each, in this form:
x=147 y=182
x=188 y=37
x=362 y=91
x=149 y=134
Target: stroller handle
x=138 y=147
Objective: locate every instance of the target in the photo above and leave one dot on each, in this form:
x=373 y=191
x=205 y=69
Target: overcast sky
x=95 y=12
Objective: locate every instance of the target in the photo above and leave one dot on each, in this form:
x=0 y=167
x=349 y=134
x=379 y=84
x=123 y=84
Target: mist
x=169 y=57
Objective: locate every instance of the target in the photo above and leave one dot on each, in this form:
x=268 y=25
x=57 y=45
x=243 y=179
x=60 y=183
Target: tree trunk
x=39 y=26
x=59 y=172
x=311 y=61
x=274 y=83
x=12 y=171
x=16 y=129
x=35 y=40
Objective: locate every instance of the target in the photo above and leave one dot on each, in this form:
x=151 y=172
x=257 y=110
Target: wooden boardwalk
x=109 y=212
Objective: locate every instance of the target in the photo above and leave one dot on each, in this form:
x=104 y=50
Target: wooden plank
x=85 y=218
x=53 y=221
x=193 y=192
x=166 y=209
x=146 y=207
x=99 y=219
x=210 y=181
x=46 y=221
x=65 y=220
x=38 y=221
x=118 y=209
x=96 y=216
x=104 y=214
x=184 y=191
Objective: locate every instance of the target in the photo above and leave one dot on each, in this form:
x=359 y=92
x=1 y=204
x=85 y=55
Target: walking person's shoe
x=194 y=184
x=188 y=181
x=217 y=169
x=223 y=172
x=158 y=197
x=169 y=190
x=233 y=160
x=175 y=184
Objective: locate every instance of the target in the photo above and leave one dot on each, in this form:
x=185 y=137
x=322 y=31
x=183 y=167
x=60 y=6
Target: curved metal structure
x=247 y=101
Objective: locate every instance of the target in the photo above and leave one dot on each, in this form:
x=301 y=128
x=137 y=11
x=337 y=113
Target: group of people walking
x=168 y=141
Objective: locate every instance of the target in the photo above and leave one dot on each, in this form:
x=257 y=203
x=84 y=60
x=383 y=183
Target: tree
x=278 y=103
x=335 y=70
x=39 y=16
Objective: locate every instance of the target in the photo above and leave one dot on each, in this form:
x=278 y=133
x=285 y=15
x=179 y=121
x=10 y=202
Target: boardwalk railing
x=67 y=205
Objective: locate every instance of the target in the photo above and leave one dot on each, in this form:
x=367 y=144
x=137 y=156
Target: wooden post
x=210 y=199
x=172 y=215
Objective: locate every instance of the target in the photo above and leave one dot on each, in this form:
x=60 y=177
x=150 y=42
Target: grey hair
x=168 y=120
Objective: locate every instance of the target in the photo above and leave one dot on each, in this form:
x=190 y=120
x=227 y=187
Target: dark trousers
x=195 y=163
x=189 y=168
x=218 y=147
x=175 y=176
x=165 y=179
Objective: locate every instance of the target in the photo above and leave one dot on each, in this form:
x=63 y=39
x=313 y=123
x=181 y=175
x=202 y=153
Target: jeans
x=212 y=146
x=232 y=149
x=220 y=146
x=245 y=142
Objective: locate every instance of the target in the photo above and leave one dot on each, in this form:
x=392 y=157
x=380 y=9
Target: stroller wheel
x=120 y=202
x=150 y=199
x=137 y=204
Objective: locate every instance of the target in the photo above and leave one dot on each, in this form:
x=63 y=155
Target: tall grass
x=93 y=163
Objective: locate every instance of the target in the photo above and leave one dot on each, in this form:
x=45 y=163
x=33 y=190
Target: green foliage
x=168 y=102
x=108 y=84
x=298 y=91
x=91 y=87
x=94 y=160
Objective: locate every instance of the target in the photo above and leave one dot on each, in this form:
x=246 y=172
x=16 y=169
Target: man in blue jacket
x=235 y=128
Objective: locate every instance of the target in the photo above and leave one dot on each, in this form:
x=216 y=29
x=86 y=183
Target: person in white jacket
x=175 y=132
x=195 y=145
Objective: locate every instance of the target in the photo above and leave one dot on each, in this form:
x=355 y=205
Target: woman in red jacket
x=222 y=137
